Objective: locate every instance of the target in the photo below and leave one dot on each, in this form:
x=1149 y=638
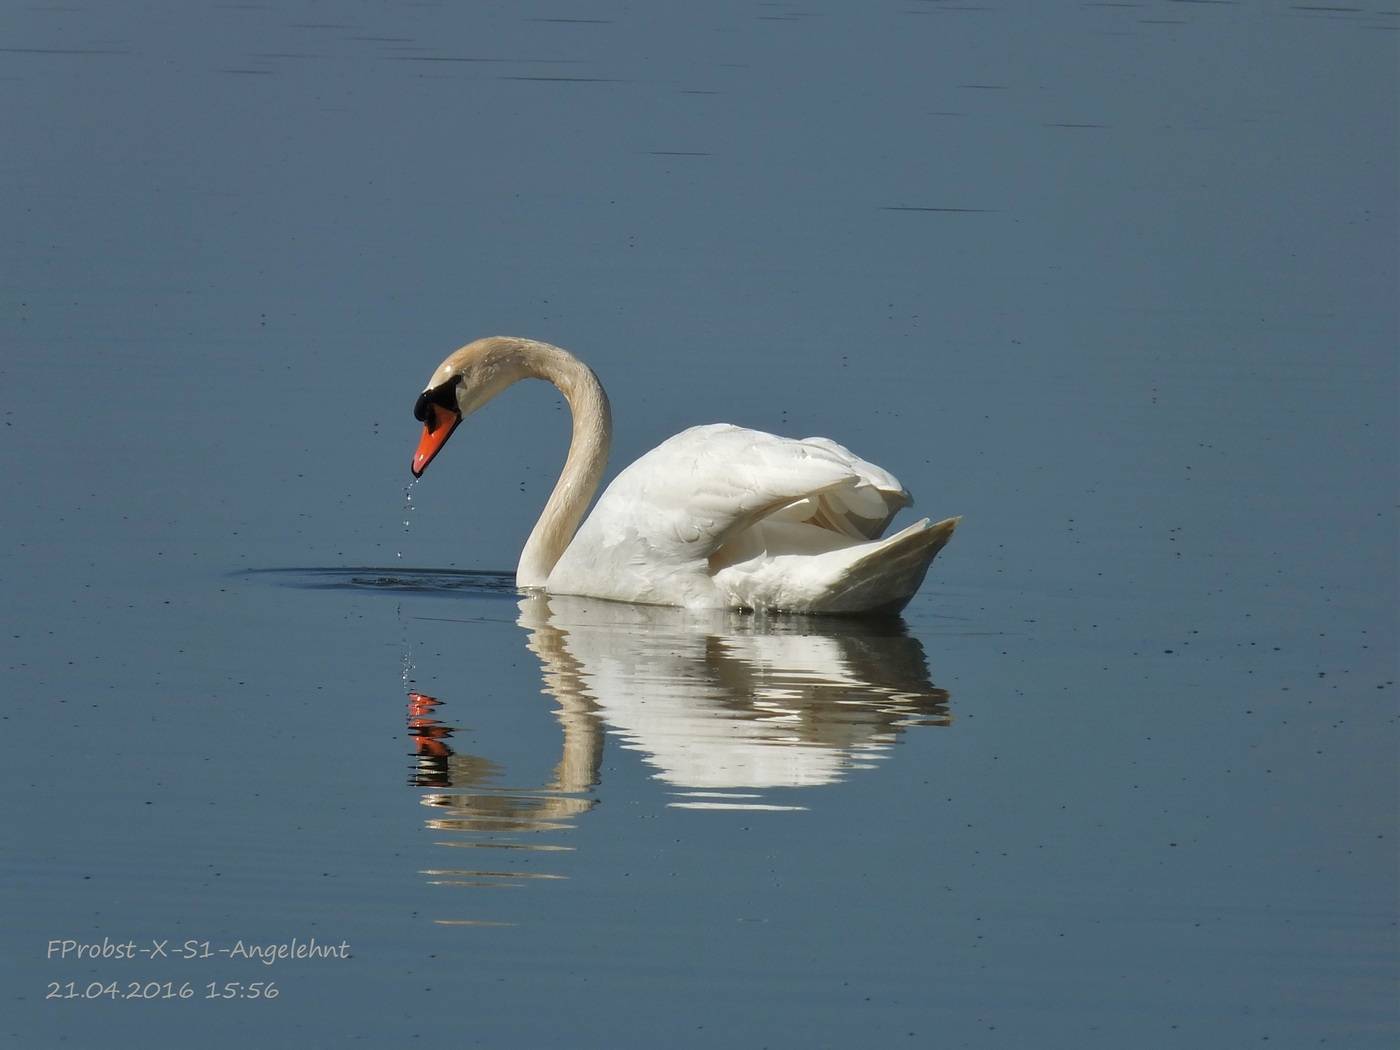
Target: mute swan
x=715 y=517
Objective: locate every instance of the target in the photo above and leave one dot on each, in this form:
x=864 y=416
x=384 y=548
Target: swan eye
x=444 y=395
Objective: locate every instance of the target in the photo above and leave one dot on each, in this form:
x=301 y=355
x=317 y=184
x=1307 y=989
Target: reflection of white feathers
x=717 y=517
x=719 y=700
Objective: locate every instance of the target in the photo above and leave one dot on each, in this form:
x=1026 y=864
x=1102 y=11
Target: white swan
x=715 y=517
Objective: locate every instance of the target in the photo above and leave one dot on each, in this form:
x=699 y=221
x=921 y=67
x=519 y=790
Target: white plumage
x=717 y=516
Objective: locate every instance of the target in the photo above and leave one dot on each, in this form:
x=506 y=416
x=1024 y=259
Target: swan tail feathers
x=887 y=575
x=880 y=576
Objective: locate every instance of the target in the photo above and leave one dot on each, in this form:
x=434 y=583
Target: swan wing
x=862 y=509
x=698 y=489
x=657 y=527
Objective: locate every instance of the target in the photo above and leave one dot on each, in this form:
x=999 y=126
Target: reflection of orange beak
x=419 y=704
x=438 y=428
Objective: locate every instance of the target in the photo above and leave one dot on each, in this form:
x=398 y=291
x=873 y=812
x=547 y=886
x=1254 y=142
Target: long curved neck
x=588 y=456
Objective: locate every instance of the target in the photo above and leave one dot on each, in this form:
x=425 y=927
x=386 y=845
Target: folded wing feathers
x=863 y=510
x=708 y=483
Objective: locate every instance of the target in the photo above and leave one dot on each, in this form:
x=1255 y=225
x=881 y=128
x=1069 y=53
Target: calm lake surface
x=1114 y=282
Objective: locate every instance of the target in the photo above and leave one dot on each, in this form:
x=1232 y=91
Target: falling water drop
x=407 y=645
x=407 y=509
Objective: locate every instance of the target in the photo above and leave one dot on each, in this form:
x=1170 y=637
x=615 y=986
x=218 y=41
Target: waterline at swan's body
x=715 y=517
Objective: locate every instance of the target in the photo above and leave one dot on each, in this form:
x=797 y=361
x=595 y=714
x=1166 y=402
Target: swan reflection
x=717 y=700
x=720 y=704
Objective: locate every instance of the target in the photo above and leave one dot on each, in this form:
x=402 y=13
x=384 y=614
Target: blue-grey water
x=1114 y=282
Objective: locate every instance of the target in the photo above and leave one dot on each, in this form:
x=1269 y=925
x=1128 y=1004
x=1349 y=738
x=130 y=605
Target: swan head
x=465 y=381
x=439 y=413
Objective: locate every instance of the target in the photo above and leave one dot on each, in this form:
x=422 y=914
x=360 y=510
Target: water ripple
x=472 y=583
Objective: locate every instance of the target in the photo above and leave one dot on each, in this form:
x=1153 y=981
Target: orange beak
x=436 y=430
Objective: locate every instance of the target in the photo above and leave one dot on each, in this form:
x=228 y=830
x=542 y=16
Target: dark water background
x=1115 y=282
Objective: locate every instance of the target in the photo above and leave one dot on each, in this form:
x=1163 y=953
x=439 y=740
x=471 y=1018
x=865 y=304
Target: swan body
x=717 y=516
